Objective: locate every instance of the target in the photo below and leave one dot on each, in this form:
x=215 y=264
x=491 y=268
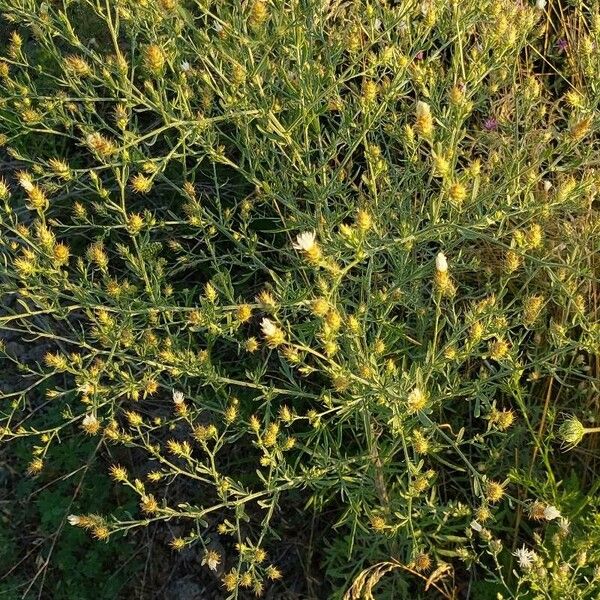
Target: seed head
x=273 y=573
x=101 y=532
x=417 y=400
x=251 y=345
x=364 y=221
x=35 y=466
x=101 y=145
x=512 y=261
x=141 y=184
x=265 y=298
x=77 y=65
x=212 y=559
x=444 y=284
x=424 y=120
x=118 y=473
x=259 y=14
x=571 y=432
x=420 y=442
x=494 y=491
x=177 y=544
x=505 y=419
x=244 y=312
x=90 y=424
x=230 y=580
x=154 y=58
x=320 y=307
x=483 y=514
x=536 y=510
x=580 y=129
x=149 y=505
x=369 y=91
x=60 y=168
x=422 y=563
x=135 y=222
x=498 y=349
x=60 y=254
x=97 y=255
x=457 y=193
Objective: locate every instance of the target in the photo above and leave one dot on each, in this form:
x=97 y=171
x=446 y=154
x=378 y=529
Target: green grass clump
x=316 y=278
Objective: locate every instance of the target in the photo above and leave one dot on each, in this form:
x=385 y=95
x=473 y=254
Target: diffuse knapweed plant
x=321 y=257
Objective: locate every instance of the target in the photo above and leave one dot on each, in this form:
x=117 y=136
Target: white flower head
x=441 y=263
x=540 y=4
x=89 y=421
x=218 y=27
x=475 y=526
x=417 y=400
x=74 y=520
x=547 y=185
x=551 y=513
x=211 y=559
x=524 y=557
x=305 y=241
x=564 y=524
x=178 y=397
x=25 y=181
x=268 y=327
x=426 y=7
x=185 y=66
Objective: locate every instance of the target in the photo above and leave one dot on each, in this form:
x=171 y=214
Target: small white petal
x=25 y=182
x=268 y=327
x=73 y=520
x=524 y=557
x=213 y=564
x=423 y=109
x=540 y=4
x=551 y=513
x=305 y=241
x=178 y=397
x=476 y=526
x=441 y=262
x=89 y=420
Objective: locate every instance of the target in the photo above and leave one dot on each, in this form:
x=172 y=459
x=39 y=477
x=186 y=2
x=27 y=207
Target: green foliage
x=77 y=566
x=303 y=257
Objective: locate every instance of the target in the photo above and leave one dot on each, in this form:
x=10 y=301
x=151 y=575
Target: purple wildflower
x=490 y=124
x=419 y=55
x=562 y=44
